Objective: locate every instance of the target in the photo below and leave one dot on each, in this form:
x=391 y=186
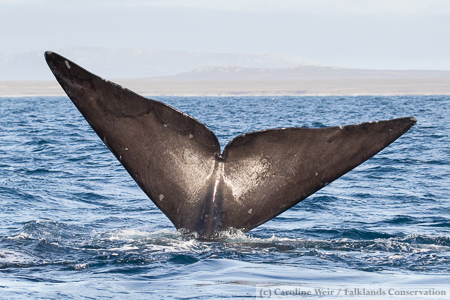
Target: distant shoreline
x=306 y=87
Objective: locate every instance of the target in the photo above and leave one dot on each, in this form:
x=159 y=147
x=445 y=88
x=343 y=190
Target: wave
x=79 y=247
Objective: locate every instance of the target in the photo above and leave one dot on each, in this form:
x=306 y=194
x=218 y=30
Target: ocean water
x=74 y=225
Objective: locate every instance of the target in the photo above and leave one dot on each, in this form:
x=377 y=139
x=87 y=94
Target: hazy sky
x=395 y=34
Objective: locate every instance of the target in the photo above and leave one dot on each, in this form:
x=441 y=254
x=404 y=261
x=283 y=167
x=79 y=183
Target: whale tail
x=177 y=162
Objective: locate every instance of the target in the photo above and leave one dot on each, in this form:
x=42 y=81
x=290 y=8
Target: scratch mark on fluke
x=258 y=175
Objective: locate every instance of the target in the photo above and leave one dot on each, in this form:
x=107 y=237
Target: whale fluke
x=177 y=161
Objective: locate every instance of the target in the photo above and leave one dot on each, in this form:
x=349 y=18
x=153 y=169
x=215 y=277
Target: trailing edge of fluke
x=177 y=160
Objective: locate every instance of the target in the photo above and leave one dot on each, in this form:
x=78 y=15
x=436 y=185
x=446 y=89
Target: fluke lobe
x=177 y=162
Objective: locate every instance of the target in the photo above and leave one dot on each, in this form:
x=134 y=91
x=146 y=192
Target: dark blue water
x=73 y=224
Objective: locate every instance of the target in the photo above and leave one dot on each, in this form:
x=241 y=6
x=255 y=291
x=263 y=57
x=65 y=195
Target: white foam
x=80 y=266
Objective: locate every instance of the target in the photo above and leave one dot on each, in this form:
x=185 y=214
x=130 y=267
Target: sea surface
x=74 y=225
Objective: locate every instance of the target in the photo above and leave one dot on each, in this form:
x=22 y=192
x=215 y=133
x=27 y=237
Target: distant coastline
x=189 y=73
x=332 y=87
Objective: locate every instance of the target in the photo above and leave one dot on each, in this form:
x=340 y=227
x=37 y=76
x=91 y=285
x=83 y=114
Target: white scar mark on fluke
x=218 y=179
x=161 y=197
x=67 y=64
x=216 y=184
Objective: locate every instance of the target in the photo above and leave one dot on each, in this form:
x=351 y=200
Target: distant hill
x=123 y=63
x=135 y=63
x=218 y=73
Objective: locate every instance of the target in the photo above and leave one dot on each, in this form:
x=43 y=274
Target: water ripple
x=73 y=224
